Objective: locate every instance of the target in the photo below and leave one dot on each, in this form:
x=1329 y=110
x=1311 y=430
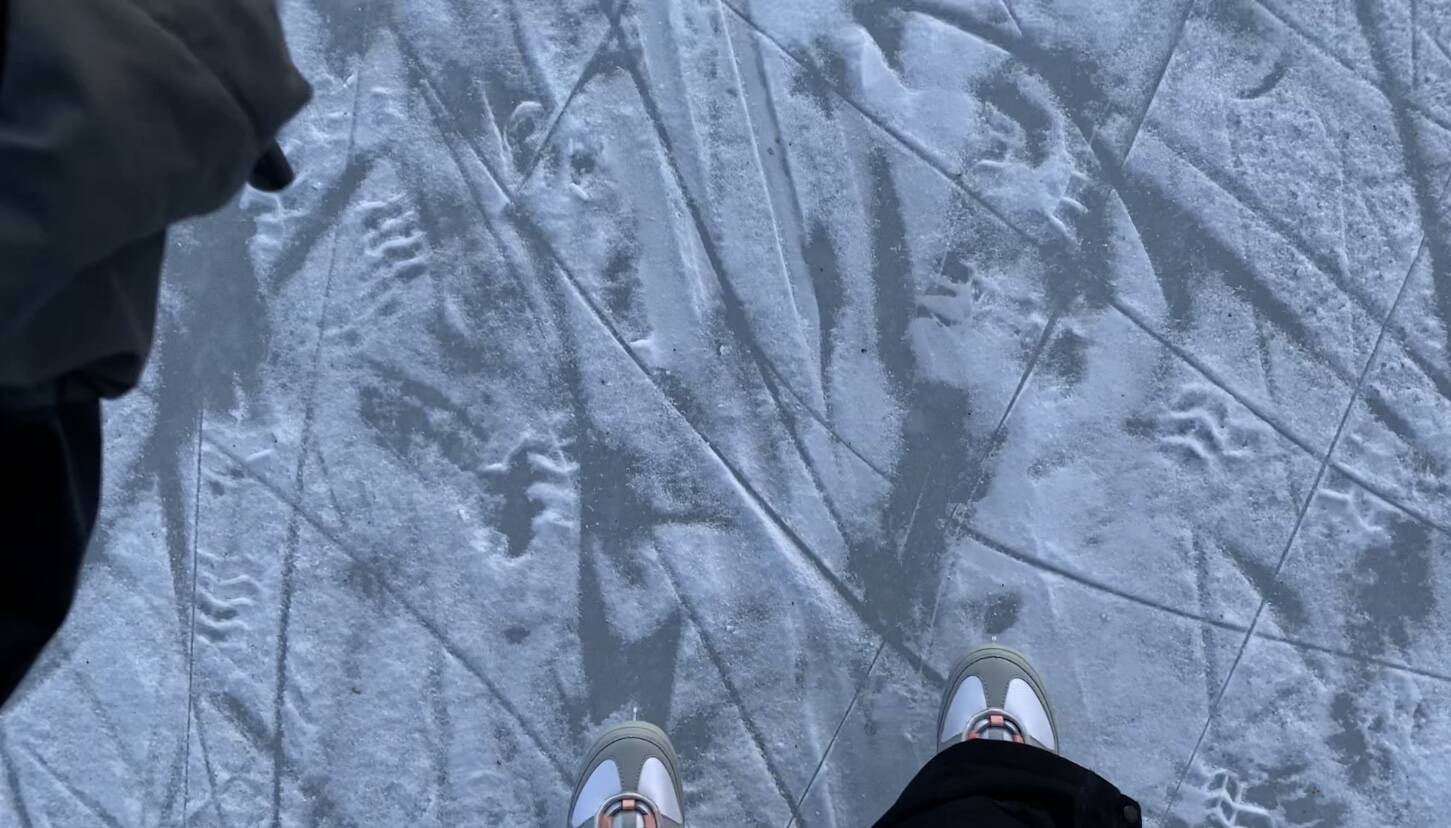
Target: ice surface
x=738 y=365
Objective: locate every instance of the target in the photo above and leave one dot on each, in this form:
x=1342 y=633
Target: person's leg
x=50 y=488
x=630 y=779
x=997 y=762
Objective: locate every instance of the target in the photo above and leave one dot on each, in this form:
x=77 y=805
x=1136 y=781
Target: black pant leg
x=50 y=489
x=991 y=784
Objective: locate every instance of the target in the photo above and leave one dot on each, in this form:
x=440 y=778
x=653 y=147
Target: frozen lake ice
x=738 y=364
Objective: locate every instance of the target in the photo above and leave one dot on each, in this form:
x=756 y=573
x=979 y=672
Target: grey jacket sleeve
x=119 y=117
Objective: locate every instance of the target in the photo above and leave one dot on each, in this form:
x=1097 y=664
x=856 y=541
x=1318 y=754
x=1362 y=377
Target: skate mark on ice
x=1163 y=222
x=814 y=74
x=754 y=499
x=826 y=79
x=1285 y=320
x=819 y=255
x=740 y=482
x=12 y=781
x=733 y=308
x=758 y=737
x=813 y=471
x=80 y=796
x=1271 y=220
x=1378 y=407
x=534 y=145
x=282 y=687
x=1278 y=596
x=439 y=732
x=247 y=725
x=624 y=291
x=429 y=625
x=1034 y=562
x=1416 y=469
x=291 y=222
x=486 y=204
x=65 y=652
x=1418 y=164
x=885 y=25
x=410 y=416
x=199 y=728
x=1319 y=45
x=772 y=161
x=1142 y=115
x=892 y=275
x=1265 y=53
x=1212 y=376
x=1204 y=604
x=608 y=641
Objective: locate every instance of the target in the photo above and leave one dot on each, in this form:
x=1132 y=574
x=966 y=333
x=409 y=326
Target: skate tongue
x=995 y=724
x=628 y=811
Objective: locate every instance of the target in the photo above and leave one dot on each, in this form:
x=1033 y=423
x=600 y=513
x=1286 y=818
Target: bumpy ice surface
x=739 y=364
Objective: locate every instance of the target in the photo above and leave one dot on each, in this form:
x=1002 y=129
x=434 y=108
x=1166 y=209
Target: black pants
x=989 y=784
x=50 y=488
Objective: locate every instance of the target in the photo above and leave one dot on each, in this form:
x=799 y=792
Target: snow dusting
x=738 y=364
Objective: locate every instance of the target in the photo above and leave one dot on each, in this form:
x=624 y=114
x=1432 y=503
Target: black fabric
x=988 y=784
x=50 y=489
x=117 y=120
x=4 y=37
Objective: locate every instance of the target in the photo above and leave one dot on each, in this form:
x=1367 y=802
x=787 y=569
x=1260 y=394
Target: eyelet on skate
x=627 y=811
x=996 y=725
